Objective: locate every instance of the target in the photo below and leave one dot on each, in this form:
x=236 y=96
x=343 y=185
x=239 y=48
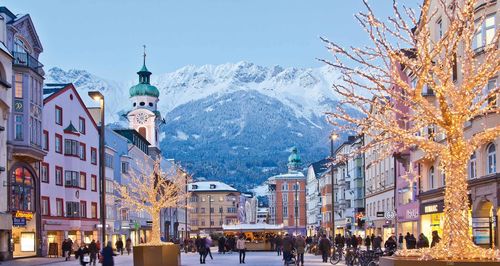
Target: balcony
x=26 y=60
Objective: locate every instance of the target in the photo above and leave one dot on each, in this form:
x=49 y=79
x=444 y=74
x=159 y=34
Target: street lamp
x=333 y=137
x=296 y=207
x=97 y=96
x=186 y=209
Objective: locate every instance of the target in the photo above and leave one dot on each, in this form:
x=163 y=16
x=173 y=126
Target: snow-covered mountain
x=232 y=122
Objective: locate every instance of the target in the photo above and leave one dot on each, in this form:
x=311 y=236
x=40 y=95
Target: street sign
x=380 y=214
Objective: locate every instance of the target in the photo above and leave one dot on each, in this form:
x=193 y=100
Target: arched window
x=492 y=159
x=142 y=131
x=22 y=190
x=21 y=45
x=472 y=166
x=431 y=177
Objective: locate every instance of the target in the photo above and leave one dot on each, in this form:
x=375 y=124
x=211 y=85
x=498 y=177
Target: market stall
x=258 y=235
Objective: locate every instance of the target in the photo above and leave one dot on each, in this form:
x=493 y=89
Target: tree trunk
x=155 y=233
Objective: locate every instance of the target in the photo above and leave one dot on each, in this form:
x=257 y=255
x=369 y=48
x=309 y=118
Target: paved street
x=252 y=258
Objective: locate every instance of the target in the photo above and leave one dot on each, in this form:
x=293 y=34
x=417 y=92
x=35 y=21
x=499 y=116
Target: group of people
x=285 y=246
x=422 y=242
x=89 y=253
x=203 y=245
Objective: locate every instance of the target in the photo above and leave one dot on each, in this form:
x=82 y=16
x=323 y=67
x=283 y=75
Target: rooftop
x=204 y=186
x=291 y=175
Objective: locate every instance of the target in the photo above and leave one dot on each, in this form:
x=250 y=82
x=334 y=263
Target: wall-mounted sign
x=18 y=221
x=390 y=215
x=18 y=105
x=380 y=214
x=432 y=207
x=411 y=214
x=24 y=214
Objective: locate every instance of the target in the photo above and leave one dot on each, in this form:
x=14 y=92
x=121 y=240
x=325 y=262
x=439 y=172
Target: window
x=472 y=166
x=59 y=207
x=83 y=209
x=109 y=187
x=18 y=129
x=58 y=143
x=18 y=86
x=93 y=210
x=45 y=140
x=125 y=167
x=284 y=186
x=492 y=159
x=124 y=215
x=231 y=210
x=431 y=177
x=45 y=206
x=81 y=125
x=22 y=190
x=93 y=155
x=72 y=209
x=72 y=179
x=109 y=212
x=285 y=198
x=45 y=173
x=71 y=147
x=59 y=115
x=59 y=176
x=491 y=86
x=83 y=151
x=221 y=209
x=285 y=211
x=83 y=180
x=439 y=29
x=211 y=210
x=202 y=210
x=296 y=187
x=93 y=182
x=108 y=160
x=485 y=32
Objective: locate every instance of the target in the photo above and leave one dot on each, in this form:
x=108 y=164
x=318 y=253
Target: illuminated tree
x=428 y=115
x=153 y=190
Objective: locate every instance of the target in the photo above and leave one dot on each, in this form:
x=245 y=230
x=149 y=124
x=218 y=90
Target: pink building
x=69 y=183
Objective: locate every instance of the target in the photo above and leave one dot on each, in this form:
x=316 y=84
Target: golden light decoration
x=415 y=89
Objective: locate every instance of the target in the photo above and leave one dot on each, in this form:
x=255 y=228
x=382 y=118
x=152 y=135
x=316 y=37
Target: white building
x=313 y=195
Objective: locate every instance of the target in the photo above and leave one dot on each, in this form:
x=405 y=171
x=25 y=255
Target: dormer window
x=212 y=186
x=195 y=186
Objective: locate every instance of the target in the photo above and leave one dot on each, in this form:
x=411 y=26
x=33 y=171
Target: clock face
x=141 y=118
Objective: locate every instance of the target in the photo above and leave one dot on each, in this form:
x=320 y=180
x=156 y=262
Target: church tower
x=144 y=116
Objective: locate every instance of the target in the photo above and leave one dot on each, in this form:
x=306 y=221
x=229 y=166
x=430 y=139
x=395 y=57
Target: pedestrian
x=83 y=254
x=325 y=246
x=368 y=242
x=377 y=243
x=208 y=244
x=142 y=240
x=107 y=255
x=64 y=248
x=201 y=247
x=300 y=246
x=93 y=251
x=287 y=247
x=272 y=242
x=390 y=245
x=435 y=238
x=240 y=245
x=222 y=243
x=69 y=248
x=128 y=245
x=119 y=246
x=412 y=242
x=422 y=242
x=360 y=241
x=354 y=242
x=400 y=241
x=279 y=244
x=407 y=240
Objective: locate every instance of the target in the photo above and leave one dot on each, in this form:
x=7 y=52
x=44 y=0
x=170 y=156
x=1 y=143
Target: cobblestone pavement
x=252 y=258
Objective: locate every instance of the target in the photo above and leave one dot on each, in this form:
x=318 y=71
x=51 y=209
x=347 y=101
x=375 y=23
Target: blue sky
x=105 y=37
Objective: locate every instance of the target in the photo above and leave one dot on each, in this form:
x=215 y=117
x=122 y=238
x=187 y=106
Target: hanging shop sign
x=24 y=214
x=390 y=215
x=411 y=214
x=18 y=221
x=432 y=207
x=380 y=214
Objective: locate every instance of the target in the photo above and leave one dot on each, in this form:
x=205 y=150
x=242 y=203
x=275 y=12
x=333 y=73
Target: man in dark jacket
x=377 y=243
x=412 y=242
x=222 y=244
x=400 y=241
x=390 y=245
x=107 y=255
x=368 y=242
x=93 y=251
x=287 y=247
x=202 y=248
x=279 y=244
x=119 y=246
x=407 y=240
x=324 y=247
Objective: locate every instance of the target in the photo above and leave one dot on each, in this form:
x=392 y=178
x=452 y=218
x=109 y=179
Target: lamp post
x=333 y=138
x=210 y=213
x=186 y=209
x=97 y=96
x=296 y=206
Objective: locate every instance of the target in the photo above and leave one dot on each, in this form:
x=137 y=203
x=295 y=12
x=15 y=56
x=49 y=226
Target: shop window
x=492 y=159
x=22 y=190
x=27 y=242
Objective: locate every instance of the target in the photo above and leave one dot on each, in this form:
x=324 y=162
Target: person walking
x=119 y=246
x=202 y=249
x=128 y=245
x=412 y=244
x=390 y=245
x=422 y=242
x=287 y=247
x=368 y=242
x=325 y=246
x=300 y=246
x=107 y=255
x=377 y=243
x=240 y=245
x=221 y=243
x=83 y=254
x=435 y=238
x=279 y=244
x=69 y=248
x=93 y=251
x=400 y=241
x=208 y=244
x=407 y=240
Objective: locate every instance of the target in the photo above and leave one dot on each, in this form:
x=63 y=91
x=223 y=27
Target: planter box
x=415 y=261
x=164 y=255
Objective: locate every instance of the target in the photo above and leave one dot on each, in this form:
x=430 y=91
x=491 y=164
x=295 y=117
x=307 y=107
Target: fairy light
x=152 y=190
x=399 y=115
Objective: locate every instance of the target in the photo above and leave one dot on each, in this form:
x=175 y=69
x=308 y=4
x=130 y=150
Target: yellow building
x=211 y=205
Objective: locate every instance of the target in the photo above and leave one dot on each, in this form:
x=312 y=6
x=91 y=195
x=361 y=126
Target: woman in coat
x=107 y=255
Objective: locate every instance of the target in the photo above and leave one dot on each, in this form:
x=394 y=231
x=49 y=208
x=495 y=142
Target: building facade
x=69 y=172
x=24 y=135
x=6 y=60
x=211 y=205
x=313 y=196
x=287 y=197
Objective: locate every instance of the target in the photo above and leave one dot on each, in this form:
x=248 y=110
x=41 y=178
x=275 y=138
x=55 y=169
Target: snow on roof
x=210 y=186
x=291 y=175
x=251 y=227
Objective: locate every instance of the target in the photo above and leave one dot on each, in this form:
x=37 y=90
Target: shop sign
x=24 y=214
x=18 y=221
x=125 y=225
x=433 y=207
x=390 y=215
x=412 y=214
x=380 y=214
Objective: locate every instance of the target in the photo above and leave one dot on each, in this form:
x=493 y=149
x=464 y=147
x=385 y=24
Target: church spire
x=144 y=72
x=144 y=55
